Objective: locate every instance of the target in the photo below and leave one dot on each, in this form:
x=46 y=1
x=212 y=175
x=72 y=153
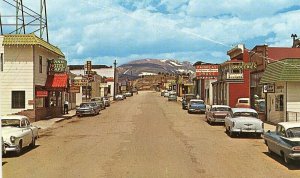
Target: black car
x=186 y=99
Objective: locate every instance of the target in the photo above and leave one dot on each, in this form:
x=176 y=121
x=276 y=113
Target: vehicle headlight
x=12 y=139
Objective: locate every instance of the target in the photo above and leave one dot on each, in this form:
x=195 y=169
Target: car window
x=197 y=102
x=282 y=132
x=245 y=114
x=23 y=124
x=27 y=122
x=222 y=109
x=293 y=132
x=243 y=101
x=10 y=122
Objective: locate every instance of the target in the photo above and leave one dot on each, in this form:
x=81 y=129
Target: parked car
x=3 y=147
x=134 y=90
x=90 y=108
x=128 y=94
x=260 y=105
x=196 y=106
x=172 y=97
x=243 y=120
x=285 y=141
x=243 y=103
x=167 y=93
x=17 y=133
x=217 y=113
x=162 y=93
x=186 y=99
x=119 y=97
x=106 y=101
x=99 y=101
x=124 y=95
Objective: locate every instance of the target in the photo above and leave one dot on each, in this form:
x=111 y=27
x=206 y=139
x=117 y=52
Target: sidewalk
x=44 y=124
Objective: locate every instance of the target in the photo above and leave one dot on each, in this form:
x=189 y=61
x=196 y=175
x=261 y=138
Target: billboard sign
x=207 y=71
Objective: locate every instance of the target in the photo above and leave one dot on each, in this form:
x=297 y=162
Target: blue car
x=196 y=106
x=285 y=141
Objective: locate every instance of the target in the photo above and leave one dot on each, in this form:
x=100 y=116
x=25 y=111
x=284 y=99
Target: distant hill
x=141 y=67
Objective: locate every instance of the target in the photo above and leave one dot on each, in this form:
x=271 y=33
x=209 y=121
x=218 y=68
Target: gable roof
x=30 y=39
x=284 y=70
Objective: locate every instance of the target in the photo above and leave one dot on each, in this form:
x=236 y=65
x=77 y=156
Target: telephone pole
x=115 y=74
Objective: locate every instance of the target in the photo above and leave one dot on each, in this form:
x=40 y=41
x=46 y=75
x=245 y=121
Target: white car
x=119 y=97
x=17 y=133
x=243 y=120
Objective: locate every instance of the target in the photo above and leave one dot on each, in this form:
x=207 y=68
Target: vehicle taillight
x=296 y=148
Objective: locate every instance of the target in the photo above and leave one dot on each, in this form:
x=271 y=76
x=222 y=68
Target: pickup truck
x=285 y=141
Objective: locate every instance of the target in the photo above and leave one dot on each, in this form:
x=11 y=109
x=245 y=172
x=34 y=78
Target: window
x=23 y=124
x=18 y=99
x=279 y=103
x=1 y=62
x=41 y=64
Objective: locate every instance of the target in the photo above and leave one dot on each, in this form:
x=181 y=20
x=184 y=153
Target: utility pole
x=115 y=74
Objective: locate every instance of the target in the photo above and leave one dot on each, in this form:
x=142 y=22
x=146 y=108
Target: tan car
x=217 y=113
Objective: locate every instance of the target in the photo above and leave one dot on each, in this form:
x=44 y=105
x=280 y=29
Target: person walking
x=66 y=107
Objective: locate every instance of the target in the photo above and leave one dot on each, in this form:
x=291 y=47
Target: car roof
x=244 y=99
x=196 y=100
x=288 y=125
x=13 y=117
x=226 y=106
x=243 y=110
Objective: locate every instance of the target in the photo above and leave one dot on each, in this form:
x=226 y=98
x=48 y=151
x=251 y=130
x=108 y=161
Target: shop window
x=1 y=62
x=39 y=102
x=18 y=99
x=279 y=103
x=41 y=64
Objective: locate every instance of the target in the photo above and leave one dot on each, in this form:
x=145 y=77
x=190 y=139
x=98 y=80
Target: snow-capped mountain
x=154 y=67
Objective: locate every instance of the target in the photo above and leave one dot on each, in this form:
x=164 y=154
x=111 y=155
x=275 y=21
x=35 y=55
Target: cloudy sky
x=186 y=30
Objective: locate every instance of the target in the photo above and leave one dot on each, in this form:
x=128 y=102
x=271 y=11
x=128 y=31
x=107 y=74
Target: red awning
x=57 y=81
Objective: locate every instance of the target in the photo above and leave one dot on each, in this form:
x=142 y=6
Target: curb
x=65 y=118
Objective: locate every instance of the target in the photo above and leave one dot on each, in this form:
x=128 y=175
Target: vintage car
x=17 y=133
x=128 y=94
x=166 y=93
x=217 y=113
x=243 y=103
x=162 y=93
x=99 y=101
x=3 y=147
x=243 y=120
x=172 y=97
x=90 y=108
x=186 y=99
x=106 y=101
x=196 y=106
x=119 y=97
x=285 y=141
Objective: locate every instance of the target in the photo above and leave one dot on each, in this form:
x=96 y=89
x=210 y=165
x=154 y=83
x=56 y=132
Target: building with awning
x=281 y=83
x=33 y=77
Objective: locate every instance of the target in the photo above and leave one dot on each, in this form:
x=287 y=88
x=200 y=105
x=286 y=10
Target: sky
x=184 y=30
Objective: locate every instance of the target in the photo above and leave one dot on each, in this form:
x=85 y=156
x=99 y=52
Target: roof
x=225 y=106
x=284 y=70
x=278 y=53
x=30 y=39
x=288 y=125
x=196 y=100
x=243 y=110
x=13 y=117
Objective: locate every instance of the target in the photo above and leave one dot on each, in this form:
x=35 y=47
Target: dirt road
x=144 y=136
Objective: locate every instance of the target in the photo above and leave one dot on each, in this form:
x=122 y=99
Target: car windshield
x=84 y=105
x=10 y=122
x=197 y=102
x=221 y=109
x=293 y=132
x=245 y=114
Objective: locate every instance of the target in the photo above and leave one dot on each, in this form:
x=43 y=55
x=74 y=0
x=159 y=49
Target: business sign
x=88 y=65
x=58 y=65
x=41 y=93
x=269 y=88
x=74 y=89
x=80 y=82
x=241 y=66
x=207 y=71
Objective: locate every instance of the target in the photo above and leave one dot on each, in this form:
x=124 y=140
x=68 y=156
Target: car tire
x=32 y=144
x=286 y=159
x=270 y=151
x=19 y=148
x=231 y=134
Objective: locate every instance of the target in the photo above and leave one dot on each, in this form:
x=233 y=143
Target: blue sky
x=185 y=30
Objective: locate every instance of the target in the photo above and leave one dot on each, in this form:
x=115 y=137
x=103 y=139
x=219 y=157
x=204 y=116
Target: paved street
x=144 y=136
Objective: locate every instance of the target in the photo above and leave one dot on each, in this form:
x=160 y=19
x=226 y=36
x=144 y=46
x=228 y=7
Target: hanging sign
x=58 y=65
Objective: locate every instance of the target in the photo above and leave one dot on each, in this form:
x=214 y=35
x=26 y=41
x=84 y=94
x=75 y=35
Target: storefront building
x=28 y=86
x=233 y=80
x=281 y=83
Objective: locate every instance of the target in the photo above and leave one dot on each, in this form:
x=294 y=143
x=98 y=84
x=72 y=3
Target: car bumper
x=219 y=120
x=260 y=131
x=10 y=148
x=197 y=110
x=294 y=156
x=84 y=112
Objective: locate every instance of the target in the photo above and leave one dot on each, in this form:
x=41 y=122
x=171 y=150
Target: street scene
x=145 y=136
x=152 y=88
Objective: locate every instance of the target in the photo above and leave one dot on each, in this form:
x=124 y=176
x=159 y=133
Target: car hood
x=10 y=131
